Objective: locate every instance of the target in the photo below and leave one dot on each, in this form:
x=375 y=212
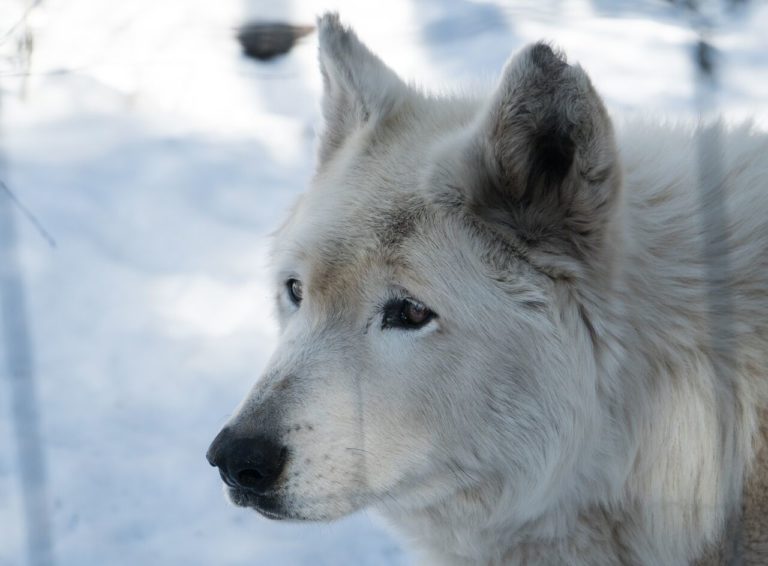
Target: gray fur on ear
x=547 y=144
x=358 y=87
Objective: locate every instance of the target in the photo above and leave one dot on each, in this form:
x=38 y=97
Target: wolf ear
x=546 y=145
x=358 y=88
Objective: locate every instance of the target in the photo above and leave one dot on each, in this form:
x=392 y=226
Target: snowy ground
x=160 y=160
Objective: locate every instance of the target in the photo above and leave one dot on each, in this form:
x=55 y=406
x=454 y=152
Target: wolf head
x=435 y=336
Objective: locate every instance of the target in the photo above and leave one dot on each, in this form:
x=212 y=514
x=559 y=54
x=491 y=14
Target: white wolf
x=521 y=336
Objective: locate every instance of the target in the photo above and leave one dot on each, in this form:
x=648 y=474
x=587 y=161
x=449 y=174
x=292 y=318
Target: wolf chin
x=524 y=335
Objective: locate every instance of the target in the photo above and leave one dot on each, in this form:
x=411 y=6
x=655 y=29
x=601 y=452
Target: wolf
x=523 y=333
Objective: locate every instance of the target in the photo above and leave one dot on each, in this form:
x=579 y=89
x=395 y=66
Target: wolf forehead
x=352 y=232
x=402 y=214
x=407 y=240
x=365 y=201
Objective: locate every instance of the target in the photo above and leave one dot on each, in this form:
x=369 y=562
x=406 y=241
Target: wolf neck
x=672 y=507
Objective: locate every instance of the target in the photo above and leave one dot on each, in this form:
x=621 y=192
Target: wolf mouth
x=270 y=506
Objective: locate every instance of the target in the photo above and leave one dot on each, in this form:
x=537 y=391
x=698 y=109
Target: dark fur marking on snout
x=281 y=384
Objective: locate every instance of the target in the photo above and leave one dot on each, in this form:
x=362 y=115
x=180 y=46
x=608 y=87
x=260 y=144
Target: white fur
x=571 y=403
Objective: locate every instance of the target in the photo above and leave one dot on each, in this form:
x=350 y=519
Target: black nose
x=252 y=463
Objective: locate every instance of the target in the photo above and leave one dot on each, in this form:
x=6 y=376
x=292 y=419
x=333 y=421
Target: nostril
x=280 y=459
x=250 y=478
x=263 y=468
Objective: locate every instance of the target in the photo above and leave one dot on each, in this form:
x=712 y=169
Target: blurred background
x=146 y=160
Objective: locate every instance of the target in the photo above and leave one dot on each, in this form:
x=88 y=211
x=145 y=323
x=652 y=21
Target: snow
x=160 y=160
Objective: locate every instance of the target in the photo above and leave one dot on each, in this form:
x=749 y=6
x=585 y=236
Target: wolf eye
x=408 y=314
x=295 y=291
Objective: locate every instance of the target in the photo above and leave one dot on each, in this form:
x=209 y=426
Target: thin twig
x=20 y=21
x=28 y=215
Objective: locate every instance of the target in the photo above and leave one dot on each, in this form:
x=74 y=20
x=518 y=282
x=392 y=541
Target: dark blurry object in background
x=704 y=57
x=266 y=40
x=697 y=4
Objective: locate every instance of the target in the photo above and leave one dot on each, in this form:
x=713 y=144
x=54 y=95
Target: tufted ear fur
x=358 y=87
x=545 y=144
